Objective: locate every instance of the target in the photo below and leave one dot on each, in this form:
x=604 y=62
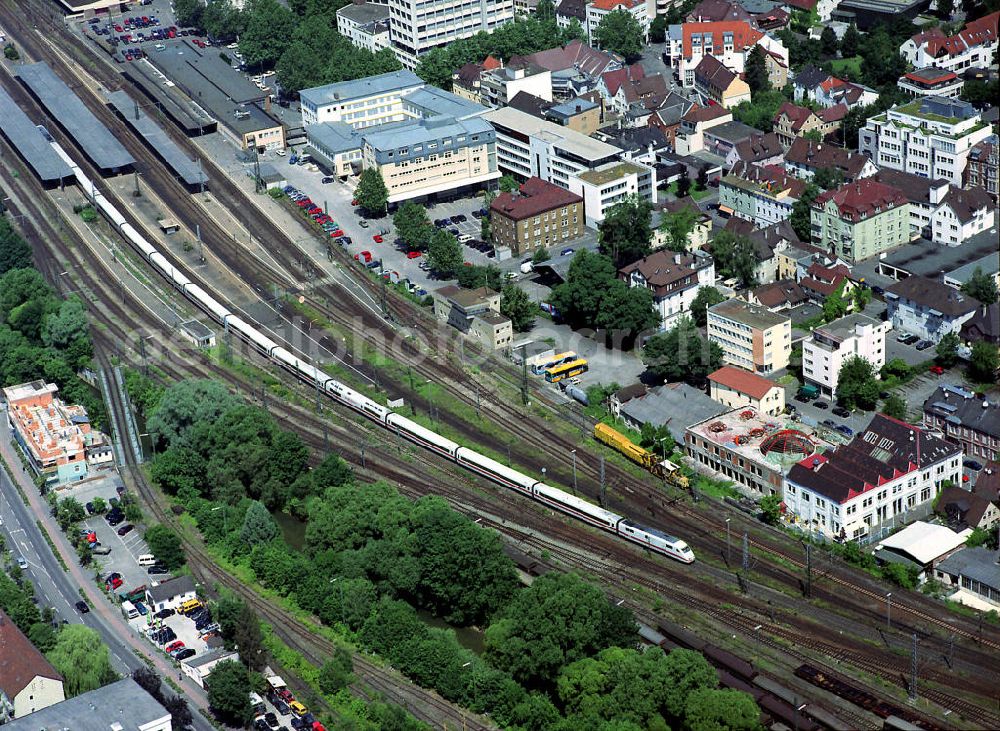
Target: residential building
x=982 y=168
x=750 y=448
x=198 y=667
x=750 y=336
x=793 y=121
x=923 y=194
x=714 y=11
x=769 y=245
x=622 y=396
x=815 y=85
x=423 y=140
x=171 y=593
x=736 y=388
x=119 y=706
x=699 y=235
x=28 y=683
x=860 y=219
x=598 y=10
x=764 y=195
x=931 y=81
x=805 y=157
x=762 y=150
x=824 y=352
x=984 y=325
x=668 y=117
x=963 y=418
x=974 y=46
x=928 y=308
x=930 y=136
x=819 y=281
x=475 y=312
x=785 y=294
x=719 y=84
x=823 y=8
x=611 y=183
x=365 y=24
x=960 y=215
x=776 y=65
x=673 y=279
x=646 y=145
x=630 y=93
x=580 y=115
x=498 y=86
x=467 y=81
x=690 y=137
x=537 y=215
x=729 y=41
x=531 y=147
x=576 y=68
x=976 y=574
x=884 y=473
x=962 y=509
x=570 y=11
x=56 y=438
x=659 y=407
x=722 y=139
x=416 y=28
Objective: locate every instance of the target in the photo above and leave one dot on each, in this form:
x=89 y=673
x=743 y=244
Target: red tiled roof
x=612 y=4
x=833 y=114
x=931 y=75
x=743 y=381
x=803 y=4
x=797 y=115
x=614 y=80
x=705 y=114
x=977 y=33
x=744 y=36
x=533 y=197
x=858 y=200
x=818 y=155
x=20 y=661
x=772 y=176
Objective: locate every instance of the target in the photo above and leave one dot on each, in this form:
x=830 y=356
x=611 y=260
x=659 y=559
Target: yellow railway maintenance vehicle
x=664 y=469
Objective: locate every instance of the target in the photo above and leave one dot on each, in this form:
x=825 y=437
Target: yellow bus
x=566 y=370
x=542 y=366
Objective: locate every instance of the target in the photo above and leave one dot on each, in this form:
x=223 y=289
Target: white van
x=257 y=703
x=147 y=559
x=129 y=610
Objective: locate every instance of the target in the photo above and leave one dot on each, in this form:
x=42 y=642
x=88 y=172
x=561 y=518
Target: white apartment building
x=960 y=215
x=531 y=147
x=930 y=137
x=417 y=26
x=367 y=102
x=611 y=183
x=597 y=10
x=366 y=25
x=886 y=471
x=751 y=336
x=824 y=353
x=674 y=280
x=498 y=86
x=975 y=46
x=730 y=41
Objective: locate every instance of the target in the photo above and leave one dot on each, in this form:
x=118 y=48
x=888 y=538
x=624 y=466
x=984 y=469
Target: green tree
x=894 y=406
x=678 y=227
x=712 y=709
x=626 y=230
x=540 y=256
x=228 y=687
x=705 y=298
x=188 y=12
x=69 y=512
x=248 y=638
x=270 y=27
x=166 y=546
x=681 y=354
x=179 y=470
x=545 y=11
x=444 y=254
x=770 y=509
x=15 y=253
x=337 y=672
x=658 y=29
x=828 y=178
x=258 y=525
x=371 y=193
x=82 y=659
x=828 y=42
x=579 y=298
x=683 y=183
x=687 y=672
x=413 y=226
x=756 y=71
x=896 y=368
x=854 y=120
x=801 y=218
x=984 y=362
x=982 y=537
x=621 y=33
x=981 y=286
x=945 y=8
x=515 y=304
x=735 y=256
x=947 y=350
x=657 y=438
x=222 y=21
x=850 y=43
x=761 y=111
x=557 y=620
x=862 y=297
x=981 y=93
x=186 y=404
x=856 y=384
x=509 y=184
x=834 y=306
x=625 y=313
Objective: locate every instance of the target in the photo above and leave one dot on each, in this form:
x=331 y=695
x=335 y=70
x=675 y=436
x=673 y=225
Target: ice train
x=649 y=538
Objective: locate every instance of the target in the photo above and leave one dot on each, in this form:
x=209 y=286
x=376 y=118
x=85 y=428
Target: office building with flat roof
x=830 y=345
x=604 y=187
x=365 y=24
x=417 y=27
x=751 y=336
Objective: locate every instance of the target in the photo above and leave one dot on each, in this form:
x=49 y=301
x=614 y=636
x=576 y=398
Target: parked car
x=972 y=464
x=841 y=412
x=184 y=654
x=829 y=423
x=82 y=607
x=936 y=370
x=413 y=254
x=845 y=430
x=164 y=613
x=126 y=529
x=271 y=719
x=566 y=252
x=141 y=608
x=924 y=345
x=156 y=571
x=819 y=404
x=377 y=238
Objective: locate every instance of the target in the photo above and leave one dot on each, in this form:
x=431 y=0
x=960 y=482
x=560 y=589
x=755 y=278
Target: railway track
x=557 y=451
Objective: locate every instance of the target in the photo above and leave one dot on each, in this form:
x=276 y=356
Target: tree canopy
x=626 y=230
x=981 y=286
x=983 y=362
x=801 y=218
x=228 y=687
x=258 y=525
x=678 y=227
x=371 y=193
x=856 y=384
x=166 y=546
x=15 y=253
x=681 y=354
x=735 y=256
x=444 y=254
x=82 y=659
x=895 y=406
x=756 y=71
x=517 y=305
x=413 y=226
x=706 y=297
x=621 y=33
x=946 y=351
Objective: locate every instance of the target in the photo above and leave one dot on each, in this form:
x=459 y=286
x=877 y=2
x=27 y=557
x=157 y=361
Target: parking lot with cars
x=279 y=710
x=182 y=633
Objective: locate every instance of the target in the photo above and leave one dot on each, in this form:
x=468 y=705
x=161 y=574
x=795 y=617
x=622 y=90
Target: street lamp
x=888 y=610
x=472 y=670
x=573 y=452
x=225 y=518
x=757 y=633
x=728 y=544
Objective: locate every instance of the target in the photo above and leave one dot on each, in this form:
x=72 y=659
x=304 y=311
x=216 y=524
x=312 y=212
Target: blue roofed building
x=422 y=139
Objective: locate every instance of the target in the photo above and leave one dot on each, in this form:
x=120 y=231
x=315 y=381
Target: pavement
x=61 y=589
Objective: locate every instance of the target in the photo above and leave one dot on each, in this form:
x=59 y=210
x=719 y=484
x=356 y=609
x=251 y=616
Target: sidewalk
x=195 y=695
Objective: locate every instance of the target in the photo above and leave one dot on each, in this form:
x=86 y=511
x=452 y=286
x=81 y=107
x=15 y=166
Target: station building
x=56 y=438
x=890 y=471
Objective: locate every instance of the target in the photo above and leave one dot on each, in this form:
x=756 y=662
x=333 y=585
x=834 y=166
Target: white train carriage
x=656 y=540
x=495 y=471
x=215 y=308
x=253 y=336
x=572 y=505
x=130 y=233
x=424 y=437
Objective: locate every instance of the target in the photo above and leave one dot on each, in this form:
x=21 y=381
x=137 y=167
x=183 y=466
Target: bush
x=88 y=214
x=10 y=52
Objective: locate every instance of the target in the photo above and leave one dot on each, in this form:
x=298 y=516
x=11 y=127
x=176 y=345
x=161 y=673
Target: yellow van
x=298 y=709
x=189 y=606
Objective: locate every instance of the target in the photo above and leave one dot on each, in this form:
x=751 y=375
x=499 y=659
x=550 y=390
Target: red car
x=337 y=233
x=936 y=370
x=413 y=255
x=354 y=202
x=174 y=646
x=377 y=238
x=115 y=582
x=365 y=256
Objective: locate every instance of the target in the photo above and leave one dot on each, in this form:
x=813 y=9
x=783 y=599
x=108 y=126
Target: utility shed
x=921 y=545
x=90 y=135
